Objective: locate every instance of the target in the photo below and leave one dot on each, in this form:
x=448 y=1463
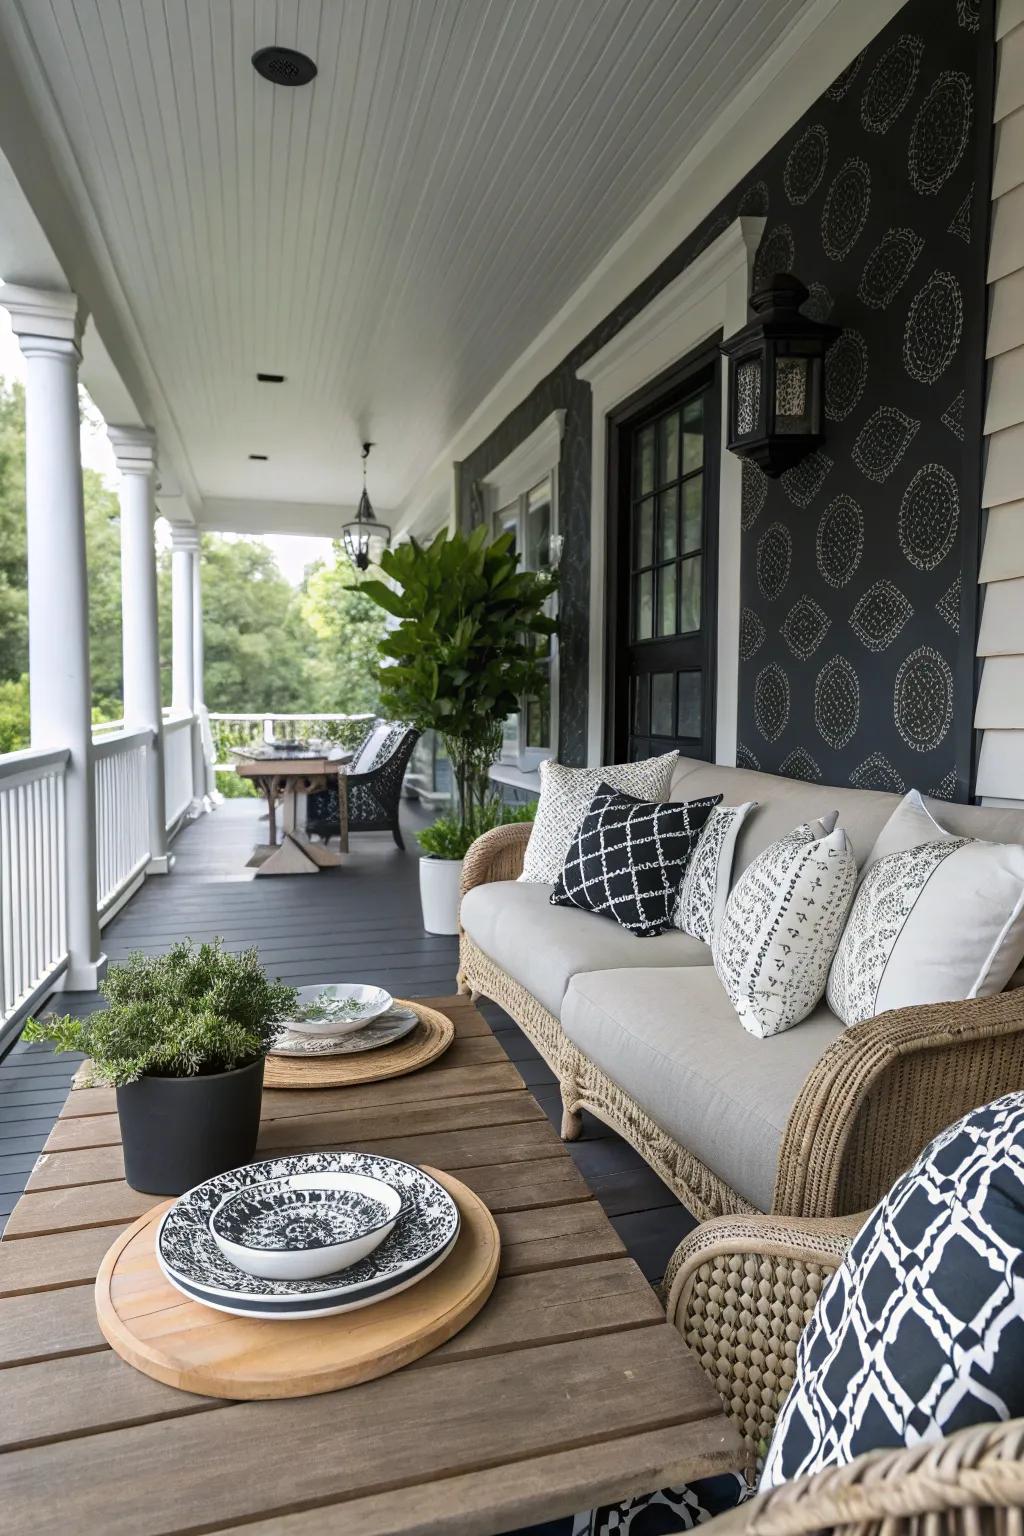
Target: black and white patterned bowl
x=307 y=1225
x=192 y=1261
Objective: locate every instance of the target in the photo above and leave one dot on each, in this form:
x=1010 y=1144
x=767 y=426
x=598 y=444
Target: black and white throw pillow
x=921 y=1330
x=705 y=888
x=628 y=857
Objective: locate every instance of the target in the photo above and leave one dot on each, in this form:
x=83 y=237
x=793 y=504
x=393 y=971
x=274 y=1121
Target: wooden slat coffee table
x=567 y=1390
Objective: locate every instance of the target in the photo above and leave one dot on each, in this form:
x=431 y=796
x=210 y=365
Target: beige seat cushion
x=672 y=1040
x=543 y=946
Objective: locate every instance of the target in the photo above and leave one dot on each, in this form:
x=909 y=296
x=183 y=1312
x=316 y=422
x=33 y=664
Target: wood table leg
x=342 y=813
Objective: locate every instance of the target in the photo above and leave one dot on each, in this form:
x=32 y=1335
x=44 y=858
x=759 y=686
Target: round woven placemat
x=430 y=1039
x=184 y=1344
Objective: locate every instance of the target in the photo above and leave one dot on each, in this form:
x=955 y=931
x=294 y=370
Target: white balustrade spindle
x=33 y=917
x=122 y=813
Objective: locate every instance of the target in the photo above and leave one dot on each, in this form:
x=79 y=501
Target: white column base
x=162 y=864
x=85 y=978
x=202 y=806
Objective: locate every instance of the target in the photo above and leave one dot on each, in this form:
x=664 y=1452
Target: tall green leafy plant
x=465 y=649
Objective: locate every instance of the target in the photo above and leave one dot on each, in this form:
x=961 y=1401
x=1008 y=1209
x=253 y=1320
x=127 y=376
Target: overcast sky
x=293 y=553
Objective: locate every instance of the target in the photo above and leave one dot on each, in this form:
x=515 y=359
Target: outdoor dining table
x=285 y=774
x=567 y=1390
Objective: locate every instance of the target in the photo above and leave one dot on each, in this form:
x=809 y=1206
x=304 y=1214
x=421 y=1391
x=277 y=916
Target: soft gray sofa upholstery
x=545 y=946
x=673 y=1042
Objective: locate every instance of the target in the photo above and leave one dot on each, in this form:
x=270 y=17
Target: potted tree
x=463 y=653
x=183 y=1041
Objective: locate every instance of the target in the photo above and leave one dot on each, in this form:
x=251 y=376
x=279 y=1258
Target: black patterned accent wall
x=859 y=566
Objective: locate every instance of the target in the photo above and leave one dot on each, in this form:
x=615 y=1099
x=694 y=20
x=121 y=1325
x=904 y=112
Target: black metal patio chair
x=374 y=782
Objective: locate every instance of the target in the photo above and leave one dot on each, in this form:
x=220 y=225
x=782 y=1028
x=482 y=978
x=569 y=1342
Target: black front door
x=663 y=566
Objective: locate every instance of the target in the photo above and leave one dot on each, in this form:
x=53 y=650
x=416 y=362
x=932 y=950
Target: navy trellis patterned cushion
x=665 y=1513
x=628 y=857
x=921 y=1330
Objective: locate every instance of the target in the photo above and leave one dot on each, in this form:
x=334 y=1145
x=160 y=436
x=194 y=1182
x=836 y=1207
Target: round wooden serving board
x=430 y=1039
x=184 y=1344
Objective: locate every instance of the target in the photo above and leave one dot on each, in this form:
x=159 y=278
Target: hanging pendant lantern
x=776 y=378
x=365 y=539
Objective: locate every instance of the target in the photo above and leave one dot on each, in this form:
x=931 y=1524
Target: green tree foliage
x=465 y=648
x=347 y=626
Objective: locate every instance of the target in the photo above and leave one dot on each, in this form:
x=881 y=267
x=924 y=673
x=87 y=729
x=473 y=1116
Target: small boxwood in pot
x=183 y=1040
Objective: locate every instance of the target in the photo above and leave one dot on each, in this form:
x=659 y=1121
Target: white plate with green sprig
x=337 y=1008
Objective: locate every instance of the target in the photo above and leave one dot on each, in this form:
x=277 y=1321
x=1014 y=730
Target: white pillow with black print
x=937 y=919
x=920 y=1332
x=565 y=798
x=705 y=888
x=782 y=923
x=628 y=857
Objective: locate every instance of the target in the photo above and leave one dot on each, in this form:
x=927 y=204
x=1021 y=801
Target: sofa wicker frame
x=741 y=1291
x=871 y=1103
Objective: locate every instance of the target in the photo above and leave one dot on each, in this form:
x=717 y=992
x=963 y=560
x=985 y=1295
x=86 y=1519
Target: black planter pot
x=178 y=1131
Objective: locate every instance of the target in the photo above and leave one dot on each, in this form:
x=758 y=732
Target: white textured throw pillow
x=781 y=927
x=937 y=919
x=565 y=798
x=705 y=888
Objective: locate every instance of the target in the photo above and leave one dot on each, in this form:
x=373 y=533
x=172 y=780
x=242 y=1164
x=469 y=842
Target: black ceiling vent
x=261 y=456
x=283 y=66
x=270 y=378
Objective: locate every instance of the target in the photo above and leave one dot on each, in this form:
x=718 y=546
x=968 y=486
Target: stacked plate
x=421 y=1222
x=342 y=1020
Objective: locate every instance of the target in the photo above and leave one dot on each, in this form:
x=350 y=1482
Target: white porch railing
x=178 y=787
x=33 y=928
x=122 y=813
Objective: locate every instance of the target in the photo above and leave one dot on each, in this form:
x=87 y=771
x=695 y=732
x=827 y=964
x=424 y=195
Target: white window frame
x=509 y=484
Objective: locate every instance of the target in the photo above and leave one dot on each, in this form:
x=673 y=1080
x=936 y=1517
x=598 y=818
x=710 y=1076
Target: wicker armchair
x=741 y=1292
x=374 y=783
x=871 y=1103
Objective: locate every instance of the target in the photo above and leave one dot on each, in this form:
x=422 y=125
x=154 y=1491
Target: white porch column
x=48 y=327
x=184 y=559
x=204 y=775
x=135 y=451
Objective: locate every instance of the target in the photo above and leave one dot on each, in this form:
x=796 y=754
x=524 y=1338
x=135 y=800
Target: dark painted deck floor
x=360 y=923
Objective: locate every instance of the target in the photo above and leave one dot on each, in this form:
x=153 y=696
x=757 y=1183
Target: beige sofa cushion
x=672 y=1040
x=862 y=812
x=543 y=946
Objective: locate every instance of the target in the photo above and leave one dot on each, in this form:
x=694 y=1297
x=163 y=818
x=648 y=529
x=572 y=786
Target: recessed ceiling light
x=283 y=66
x=270 y=378
x=257 y=456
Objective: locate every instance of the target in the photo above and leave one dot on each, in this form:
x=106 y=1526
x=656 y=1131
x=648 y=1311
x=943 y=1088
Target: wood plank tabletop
x=567 y=1390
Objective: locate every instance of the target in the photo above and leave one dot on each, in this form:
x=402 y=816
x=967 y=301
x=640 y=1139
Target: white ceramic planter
x=439 y=894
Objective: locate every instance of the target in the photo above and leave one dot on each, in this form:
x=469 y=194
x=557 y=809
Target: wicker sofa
x=816 y=1122
x=741 y=1290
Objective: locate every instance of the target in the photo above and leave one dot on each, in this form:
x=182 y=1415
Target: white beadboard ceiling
x=391 y=237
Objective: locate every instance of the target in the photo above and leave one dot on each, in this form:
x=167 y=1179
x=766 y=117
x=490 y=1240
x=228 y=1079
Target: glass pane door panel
x=690 y=690
x=645 y=462
x=668 y=524
x=668 y=456
x=661 y=703
x=641 y=713
x=693 y=435
x=643 y=612
x=693 y=513
x=690 y=616
x=644 y=550
x=667 y=624
x=538 y=528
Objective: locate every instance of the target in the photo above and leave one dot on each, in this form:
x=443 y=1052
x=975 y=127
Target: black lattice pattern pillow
x=921 y=1330
x=628 y=857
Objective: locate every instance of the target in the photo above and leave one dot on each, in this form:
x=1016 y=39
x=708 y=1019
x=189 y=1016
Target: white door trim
x=709 y=296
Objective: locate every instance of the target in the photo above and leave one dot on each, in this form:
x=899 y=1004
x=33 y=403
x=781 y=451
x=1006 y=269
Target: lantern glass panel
x=792 y=394
x=748 y=396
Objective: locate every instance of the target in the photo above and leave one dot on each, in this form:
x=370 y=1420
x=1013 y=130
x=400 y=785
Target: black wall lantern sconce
x=776 y=378
x=365 y=539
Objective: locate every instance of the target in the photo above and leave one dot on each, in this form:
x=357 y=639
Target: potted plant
x=463 y=653
x=445 y=845
x=183 y=1041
